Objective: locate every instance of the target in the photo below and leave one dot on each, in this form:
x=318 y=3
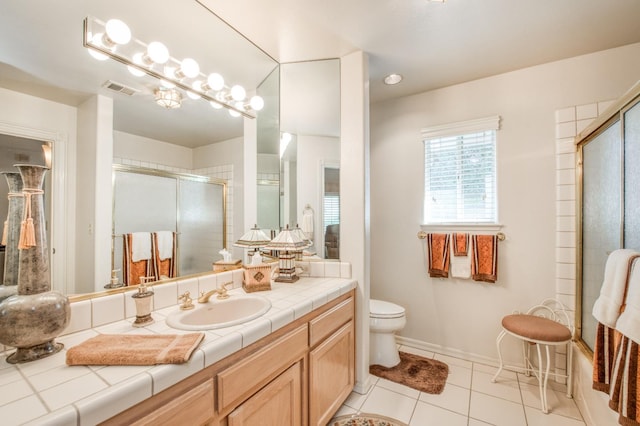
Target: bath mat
x=364 y=419
x=134 y=349
x=426 y=375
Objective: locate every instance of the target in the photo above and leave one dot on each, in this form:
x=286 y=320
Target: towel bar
x=501 y=236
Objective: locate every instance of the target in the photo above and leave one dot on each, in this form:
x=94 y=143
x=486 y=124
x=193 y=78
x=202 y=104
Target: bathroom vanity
x=302 y=371
x=294 y=364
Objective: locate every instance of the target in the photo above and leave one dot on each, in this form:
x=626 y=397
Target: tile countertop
x=48 y=392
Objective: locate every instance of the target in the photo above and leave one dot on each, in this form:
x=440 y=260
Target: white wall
x=354 y=196
x=458 y=315
x=145 y=150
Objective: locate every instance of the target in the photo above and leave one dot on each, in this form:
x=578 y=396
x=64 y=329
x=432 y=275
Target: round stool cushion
x=536 y=328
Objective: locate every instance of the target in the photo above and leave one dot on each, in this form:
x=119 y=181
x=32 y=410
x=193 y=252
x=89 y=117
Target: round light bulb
x=238 y=93
x=197 y=86
x=158 y=52
x=97 y=55
x=193 y=95
x=135 y=71
x=167 y=84
x=117 y=31
x=256 y=103
x=169 y=71
x=96 y=40
x=190 y=68
x=215 y=81
x=215 y=105
x=234 y=113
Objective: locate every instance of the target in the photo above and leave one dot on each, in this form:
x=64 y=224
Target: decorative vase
x=11 y=234
x=31 y=319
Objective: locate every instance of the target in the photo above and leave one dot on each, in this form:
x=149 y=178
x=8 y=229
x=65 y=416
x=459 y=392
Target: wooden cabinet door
x=331 y=374
x=194 y=407
x=277 y=404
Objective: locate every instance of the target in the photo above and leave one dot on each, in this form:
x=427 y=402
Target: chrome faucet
x=222 y=293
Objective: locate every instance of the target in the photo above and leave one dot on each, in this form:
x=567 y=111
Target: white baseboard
x=430 y=347
x=362 y=387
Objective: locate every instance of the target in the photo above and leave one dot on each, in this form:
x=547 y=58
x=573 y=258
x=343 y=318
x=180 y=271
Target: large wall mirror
x=49 y=62
x=298 y=168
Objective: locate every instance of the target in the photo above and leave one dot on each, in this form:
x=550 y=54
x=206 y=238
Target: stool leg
x=498 y=342
x=542 y=378
x=569 y=370
x=526 y=357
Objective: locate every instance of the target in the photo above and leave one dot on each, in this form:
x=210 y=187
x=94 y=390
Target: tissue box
x=221 y=265
x=257 y=278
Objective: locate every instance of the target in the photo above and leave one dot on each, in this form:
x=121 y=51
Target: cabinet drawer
x=243 y=379
x=194 y=407
x=321 y=327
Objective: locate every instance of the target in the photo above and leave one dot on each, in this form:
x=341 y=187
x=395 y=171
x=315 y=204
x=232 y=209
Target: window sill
x=457 y=227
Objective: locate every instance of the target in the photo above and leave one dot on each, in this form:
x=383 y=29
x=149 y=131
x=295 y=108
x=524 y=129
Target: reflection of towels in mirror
x=133 y=270
x=140 y=246
x=165 y=244
x=164 y=249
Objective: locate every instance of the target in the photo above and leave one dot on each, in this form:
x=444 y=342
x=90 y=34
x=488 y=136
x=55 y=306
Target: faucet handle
x=187 y=301
x=222 y=291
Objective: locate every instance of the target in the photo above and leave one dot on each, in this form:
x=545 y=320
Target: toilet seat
x=383 y=309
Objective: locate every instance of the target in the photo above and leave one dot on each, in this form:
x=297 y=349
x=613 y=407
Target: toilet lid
x=382 y=309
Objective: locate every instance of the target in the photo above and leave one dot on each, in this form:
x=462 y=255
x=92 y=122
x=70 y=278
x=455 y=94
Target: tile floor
x=469 y=399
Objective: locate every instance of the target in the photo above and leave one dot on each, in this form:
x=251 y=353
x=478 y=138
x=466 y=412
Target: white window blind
x=460 y=172
x=331 y=210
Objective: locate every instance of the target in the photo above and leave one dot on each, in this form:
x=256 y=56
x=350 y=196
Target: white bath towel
x=165 y=244
x=460 y=265
x=140 y=246
x=307 y=222
x=629 y=322
x=606 y=310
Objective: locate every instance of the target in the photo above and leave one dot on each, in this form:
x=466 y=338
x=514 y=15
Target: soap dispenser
x=143 y=306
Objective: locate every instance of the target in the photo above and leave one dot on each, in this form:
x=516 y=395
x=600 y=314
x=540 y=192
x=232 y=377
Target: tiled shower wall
x=569 y=122
x=220 y=172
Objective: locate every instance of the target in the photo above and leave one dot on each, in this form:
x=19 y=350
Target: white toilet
x=385 y=319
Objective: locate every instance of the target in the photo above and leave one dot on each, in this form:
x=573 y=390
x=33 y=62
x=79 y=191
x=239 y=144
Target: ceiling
x=431 y=44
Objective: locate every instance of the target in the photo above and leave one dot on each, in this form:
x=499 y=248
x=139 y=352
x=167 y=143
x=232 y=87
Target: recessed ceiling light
x=392 y=79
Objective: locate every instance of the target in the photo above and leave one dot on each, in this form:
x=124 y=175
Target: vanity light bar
x=224 y=97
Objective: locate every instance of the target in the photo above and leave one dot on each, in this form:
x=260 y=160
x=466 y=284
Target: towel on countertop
x=438 y=255
x=484 y=258
x=460 y=244
x=460 y=265
x=134 y=349
x=606 y=309
x=165 y=244
x=140 y=246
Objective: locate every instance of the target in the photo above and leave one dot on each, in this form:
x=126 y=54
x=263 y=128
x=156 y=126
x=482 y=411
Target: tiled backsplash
x=99 y=311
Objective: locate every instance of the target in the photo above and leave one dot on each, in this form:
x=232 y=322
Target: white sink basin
x=220 y=313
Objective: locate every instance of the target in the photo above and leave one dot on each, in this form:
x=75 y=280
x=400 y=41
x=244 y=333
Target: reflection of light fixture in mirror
x=255 y=238
x=285 y=139
x=112 y=40
x=168 y=98
x=286 y=244
x=46 y=150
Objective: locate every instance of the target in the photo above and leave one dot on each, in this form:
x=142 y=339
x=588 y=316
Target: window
x=460 y=172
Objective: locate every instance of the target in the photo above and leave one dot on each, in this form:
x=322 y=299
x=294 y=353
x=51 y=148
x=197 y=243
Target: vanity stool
x=545 y=325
